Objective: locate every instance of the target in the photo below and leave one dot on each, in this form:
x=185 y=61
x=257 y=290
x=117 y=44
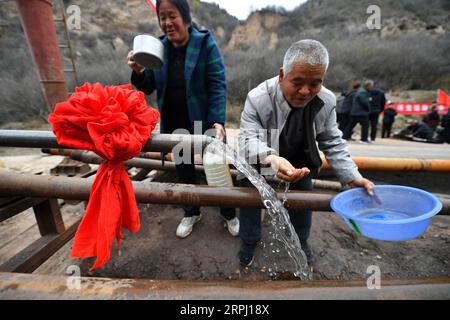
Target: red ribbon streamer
x=114 y=122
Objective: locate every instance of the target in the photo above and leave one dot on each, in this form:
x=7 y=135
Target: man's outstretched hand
x=285 y=170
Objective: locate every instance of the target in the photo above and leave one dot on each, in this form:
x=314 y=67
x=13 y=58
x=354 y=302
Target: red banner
x=411 y=108
x=443 y=98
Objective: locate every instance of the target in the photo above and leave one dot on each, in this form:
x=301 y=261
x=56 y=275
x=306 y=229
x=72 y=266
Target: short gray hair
x=306 y=51
x=368 y=82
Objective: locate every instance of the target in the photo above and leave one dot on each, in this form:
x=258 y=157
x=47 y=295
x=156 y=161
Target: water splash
x=286 y=190
x=284 y=231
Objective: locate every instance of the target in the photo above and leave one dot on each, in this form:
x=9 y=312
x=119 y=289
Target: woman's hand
x=366 y=184
x=220 y=131
x=285 y=170
x=133 y=65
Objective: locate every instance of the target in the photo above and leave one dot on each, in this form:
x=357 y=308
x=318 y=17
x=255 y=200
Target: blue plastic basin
x=396 y=213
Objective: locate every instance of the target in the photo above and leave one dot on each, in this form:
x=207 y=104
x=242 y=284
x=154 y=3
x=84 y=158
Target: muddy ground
x=210 y=252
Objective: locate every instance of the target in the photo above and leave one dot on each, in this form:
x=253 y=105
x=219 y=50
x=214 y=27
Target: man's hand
x=366 y=184
x=220 y=131
x=284 y=169
x=133 y=65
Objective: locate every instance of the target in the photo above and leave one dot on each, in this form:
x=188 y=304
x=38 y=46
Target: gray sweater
x=265 y=114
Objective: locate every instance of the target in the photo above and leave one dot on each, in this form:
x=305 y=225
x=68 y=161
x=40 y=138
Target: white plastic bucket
x=148 y=51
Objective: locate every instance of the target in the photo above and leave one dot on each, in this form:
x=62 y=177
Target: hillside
x=409 y=52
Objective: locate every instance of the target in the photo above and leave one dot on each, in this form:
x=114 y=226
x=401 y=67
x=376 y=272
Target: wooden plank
x=15 y=207
x=39 y=251
x=48 y=217
x=20 y=231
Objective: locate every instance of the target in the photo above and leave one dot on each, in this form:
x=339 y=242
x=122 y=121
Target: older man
x=297 y=112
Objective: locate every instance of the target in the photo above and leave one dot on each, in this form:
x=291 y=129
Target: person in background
x=297 y=111
x=444 y=133
x=422 y=132
x=377 y=105
x=191 y=87
x=360 y=113
x=339 y=104
x=432 y=118
x=344 y=114
x=389 y=115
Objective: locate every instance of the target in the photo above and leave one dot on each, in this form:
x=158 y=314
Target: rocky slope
x=410 y=51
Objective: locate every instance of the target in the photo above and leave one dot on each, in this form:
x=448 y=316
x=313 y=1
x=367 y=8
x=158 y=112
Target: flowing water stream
x=283 y=229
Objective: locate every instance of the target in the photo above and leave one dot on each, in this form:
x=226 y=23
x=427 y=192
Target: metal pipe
x=36 y=17
x=155 y=156
x=93 y=158
x=151 y=164
x=14 y=184
x=378 y=164
x=47 y=139
x=397 y=164
x=166 y=143
x=16 y=286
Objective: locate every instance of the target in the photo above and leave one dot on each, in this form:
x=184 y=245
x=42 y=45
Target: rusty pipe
x=155 y=156
x=14 y=184
x=90 y=157
x=377 y=164
x=166 y=143
x=149 y=162
x=18 y=286
x=138 y=162
x=36 y=17
x=397 y=164
x=46 y=139
x=364 y=163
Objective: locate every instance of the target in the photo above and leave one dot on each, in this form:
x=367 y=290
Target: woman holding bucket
x=191 y=87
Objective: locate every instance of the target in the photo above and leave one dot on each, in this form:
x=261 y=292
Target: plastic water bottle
x=217 y=170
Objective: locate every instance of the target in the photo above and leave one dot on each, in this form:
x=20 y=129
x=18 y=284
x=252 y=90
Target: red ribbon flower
x=114 y=122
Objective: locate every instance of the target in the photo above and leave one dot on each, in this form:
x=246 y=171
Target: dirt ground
x=210 y=252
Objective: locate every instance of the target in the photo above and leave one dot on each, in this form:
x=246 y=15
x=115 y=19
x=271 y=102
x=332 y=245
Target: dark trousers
x=363 y=121
x=386 y=129
x=343 y=119
x=186 y=174
x=373 y=118
x=250 y=218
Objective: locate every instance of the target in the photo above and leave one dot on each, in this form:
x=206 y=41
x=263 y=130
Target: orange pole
x=397 y=164
x=36 y=17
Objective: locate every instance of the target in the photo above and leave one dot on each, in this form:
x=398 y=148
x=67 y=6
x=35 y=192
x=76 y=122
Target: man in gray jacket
x=297 y=114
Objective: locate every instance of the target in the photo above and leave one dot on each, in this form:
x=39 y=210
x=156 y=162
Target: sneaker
x=307 y=250
x=187 y=223
x=246 y=254
x=364 y=142
x=233 y=226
